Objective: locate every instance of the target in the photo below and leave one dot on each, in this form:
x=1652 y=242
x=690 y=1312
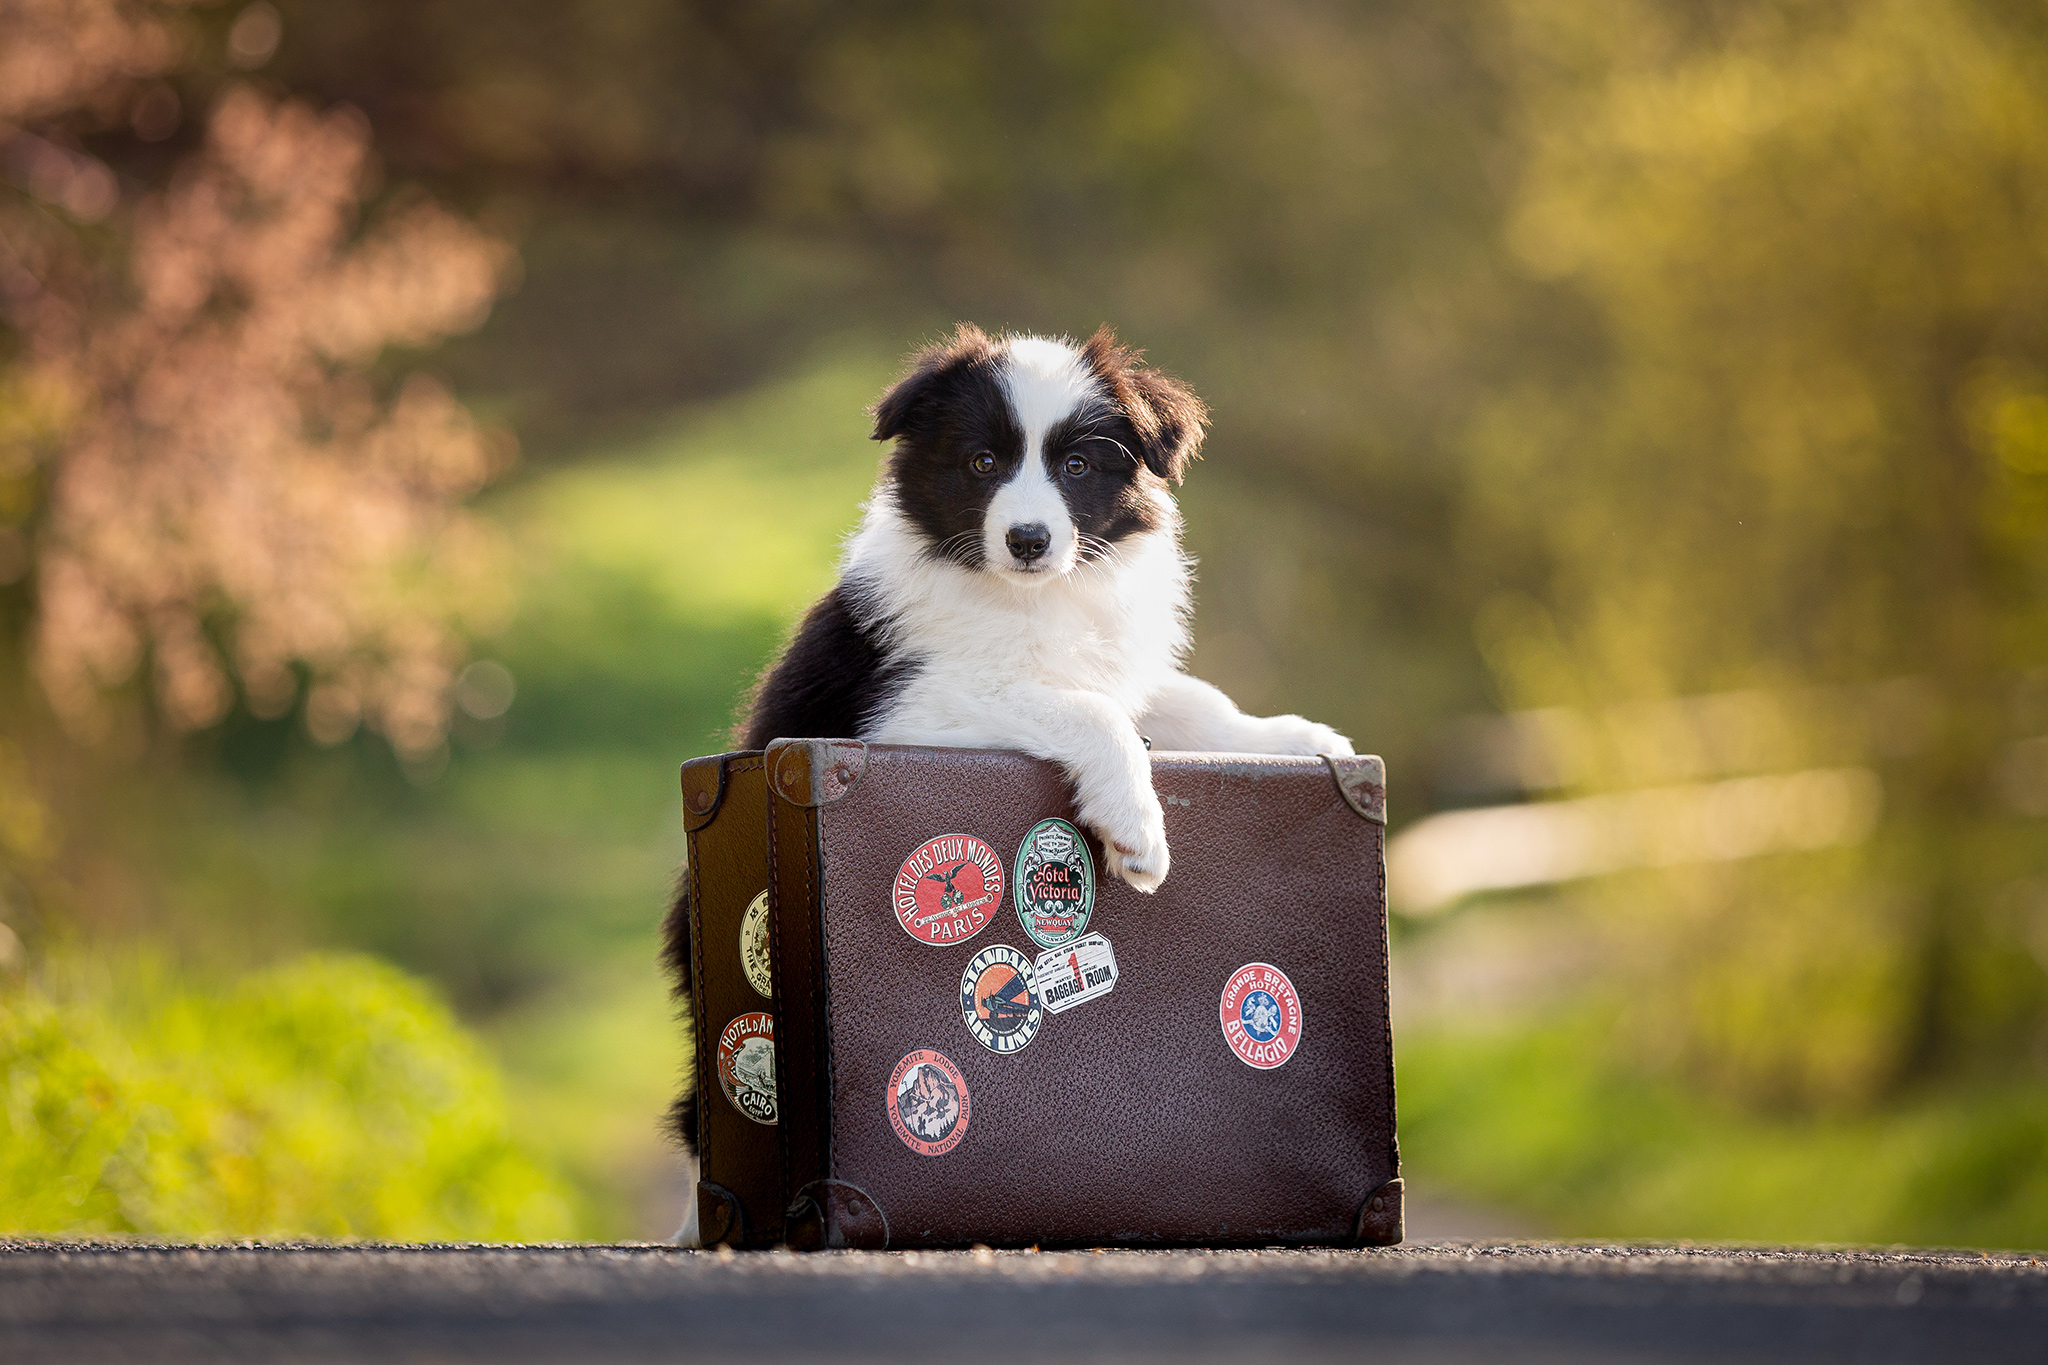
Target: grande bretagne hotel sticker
x=1261 y=1015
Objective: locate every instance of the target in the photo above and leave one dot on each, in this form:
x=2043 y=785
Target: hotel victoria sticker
x=948 y=890
x=746 y=1065
x=1261 y=1015
x=1074 y=973
x=1054 y=885
x=754 y=959
x=999 y=1000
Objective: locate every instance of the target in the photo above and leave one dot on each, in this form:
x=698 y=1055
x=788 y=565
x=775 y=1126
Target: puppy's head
x=1026 y=457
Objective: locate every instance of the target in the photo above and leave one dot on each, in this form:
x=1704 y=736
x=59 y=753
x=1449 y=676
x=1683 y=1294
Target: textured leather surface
x=728 y=868
x=1128 y=1119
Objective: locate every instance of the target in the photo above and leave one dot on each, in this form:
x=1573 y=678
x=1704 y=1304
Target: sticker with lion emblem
x=746 y=1065
x=754 y=958
x=948 y=890
x=1054 y=886
x=928 y=1104
x=1074 y=973
x=999 y=1001
x=1261 y=1015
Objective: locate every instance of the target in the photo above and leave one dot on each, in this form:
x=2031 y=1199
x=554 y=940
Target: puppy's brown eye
x=983 y=463
x=1076 y=466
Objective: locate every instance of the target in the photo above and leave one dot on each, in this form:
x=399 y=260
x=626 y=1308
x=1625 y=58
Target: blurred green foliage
x=1583 y=357
x=331 y=1097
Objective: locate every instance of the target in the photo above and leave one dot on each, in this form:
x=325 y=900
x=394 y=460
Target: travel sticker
x=928 y=1105
x=1054 y=885
x=1074 y=973
x=948 y=890
x=754 y=958
x=1261 y=1015
x=746 y=1065
x=999 y=1000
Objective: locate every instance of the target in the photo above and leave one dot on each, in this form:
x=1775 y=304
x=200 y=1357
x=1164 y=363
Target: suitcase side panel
x=802 y=1062
x=727 y=871
x=1127 y=1119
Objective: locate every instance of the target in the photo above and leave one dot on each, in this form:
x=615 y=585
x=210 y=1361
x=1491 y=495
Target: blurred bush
x=331 y=1097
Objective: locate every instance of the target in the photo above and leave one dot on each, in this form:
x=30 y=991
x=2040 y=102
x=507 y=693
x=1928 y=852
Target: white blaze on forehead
x=1046 y=382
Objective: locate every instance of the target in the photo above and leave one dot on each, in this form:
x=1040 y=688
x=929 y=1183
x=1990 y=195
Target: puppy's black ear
x=1169 y=418
x=899 y=410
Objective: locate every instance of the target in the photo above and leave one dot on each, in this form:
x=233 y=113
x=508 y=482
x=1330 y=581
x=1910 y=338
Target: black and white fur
x=1017 y=582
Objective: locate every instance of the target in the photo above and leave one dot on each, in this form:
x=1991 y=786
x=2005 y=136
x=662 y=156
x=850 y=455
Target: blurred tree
x=1808 y=454
x=207 y=484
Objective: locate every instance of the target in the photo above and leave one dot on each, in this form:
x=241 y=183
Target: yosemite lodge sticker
x=928 y=1104
x=1261 y=1015
x=948 y=890
x=746 y=1065
x=1054 y=885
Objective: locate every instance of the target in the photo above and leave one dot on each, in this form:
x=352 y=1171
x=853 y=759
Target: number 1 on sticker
x=1074 y=962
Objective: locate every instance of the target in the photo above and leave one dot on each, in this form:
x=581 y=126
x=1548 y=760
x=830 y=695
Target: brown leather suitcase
x=725 y=816
x=982 y=1038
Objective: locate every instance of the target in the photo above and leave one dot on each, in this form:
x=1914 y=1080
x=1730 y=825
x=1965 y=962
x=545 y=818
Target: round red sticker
x=1261 y=1015
x=746 y=1065
x=948 y=890
x=928 y=1104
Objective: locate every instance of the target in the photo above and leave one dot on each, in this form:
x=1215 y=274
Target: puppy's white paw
x=1133 y=840
x=1294 y=735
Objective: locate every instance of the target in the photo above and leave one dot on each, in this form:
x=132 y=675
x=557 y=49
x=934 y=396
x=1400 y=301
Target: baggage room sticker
x=948 y=890
x=1075 y=973
x=1261 y=1015
x=1054 y=885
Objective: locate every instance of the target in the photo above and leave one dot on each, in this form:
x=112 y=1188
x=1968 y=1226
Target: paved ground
x=1445 y=1303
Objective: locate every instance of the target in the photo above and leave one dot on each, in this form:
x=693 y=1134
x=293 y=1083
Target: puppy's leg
x=1188 y=713
x=1088 y=735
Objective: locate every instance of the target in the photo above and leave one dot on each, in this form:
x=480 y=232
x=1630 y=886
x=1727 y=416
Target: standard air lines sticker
x=1075 y=973
x=948 y=890
x=1055 y=883
x=928 y=1104
x=754 y=958
x=998 y=999
x=1261 y=1015
x=746 y=1065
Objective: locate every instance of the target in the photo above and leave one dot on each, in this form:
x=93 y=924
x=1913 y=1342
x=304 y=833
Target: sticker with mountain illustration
x=1054 y=885
x=928 y=1103
x=948 y=890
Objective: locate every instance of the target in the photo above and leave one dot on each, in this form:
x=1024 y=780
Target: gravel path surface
x=1443 y=1303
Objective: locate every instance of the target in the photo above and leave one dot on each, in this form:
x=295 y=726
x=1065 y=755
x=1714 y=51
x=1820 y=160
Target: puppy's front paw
x=1133 y=840
x=1294 y=735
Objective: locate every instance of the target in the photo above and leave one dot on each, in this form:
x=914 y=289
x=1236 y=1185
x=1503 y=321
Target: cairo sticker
x=746 y=1065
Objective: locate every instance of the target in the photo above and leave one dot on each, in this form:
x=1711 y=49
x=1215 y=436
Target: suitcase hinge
x=815 y=772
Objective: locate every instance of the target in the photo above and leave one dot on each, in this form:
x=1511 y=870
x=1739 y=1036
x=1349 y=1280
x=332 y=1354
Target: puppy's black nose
x=1029 y=542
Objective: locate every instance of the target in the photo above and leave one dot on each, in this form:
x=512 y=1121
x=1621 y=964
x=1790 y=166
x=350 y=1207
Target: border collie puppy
x=1017 y=582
